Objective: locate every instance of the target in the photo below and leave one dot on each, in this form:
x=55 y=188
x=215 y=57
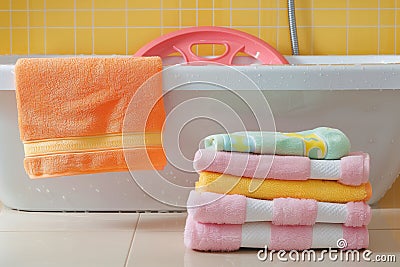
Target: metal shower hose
x=293 y=28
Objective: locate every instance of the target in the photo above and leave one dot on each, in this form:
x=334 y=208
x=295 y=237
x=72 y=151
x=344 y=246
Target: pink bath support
x=234 y=41
x=349 y=170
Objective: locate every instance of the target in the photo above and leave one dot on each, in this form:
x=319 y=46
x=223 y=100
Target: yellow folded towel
x=320 y=190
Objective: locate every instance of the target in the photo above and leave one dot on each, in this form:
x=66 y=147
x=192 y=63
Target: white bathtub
x=357 y=94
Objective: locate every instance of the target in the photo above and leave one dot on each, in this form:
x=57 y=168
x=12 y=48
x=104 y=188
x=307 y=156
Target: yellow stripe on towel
x=91 y=143
x=320 y=190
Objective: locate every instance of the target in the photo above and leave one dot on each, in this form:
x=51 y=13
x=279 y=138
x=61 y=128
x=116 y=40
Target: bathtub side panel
x=100 y=192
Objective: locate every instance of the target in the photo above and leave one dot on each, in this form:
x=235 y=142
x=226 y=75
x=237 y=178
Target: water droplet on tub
x=38 y=189
x=63 y=197
x=392 y=141
x=97 y=190
x=73 y=189
x=47 y=191
x=259 y=75
x=371 y=140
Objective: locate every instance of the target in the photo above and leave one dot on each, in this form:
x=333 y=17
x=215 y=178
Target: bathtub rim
x=376 y=72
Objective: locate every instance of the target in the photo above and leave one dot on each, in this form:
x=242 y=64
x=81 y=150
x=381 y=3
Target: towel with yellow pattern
x=320 y=190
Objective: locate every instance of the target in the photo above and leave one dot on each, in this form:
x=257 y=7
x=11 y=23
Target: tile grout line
x=200 y=8
x=92 y=27
x=259 y=19
x=230 y=13
x=395 y=27
x=180 y=14
x=276 y=28
x=128 y=256
x=11 y=28
x=312 y=28
x=28 y=27
x=126 y=27
x=379 y=28
x=161 y=18
x=75 y=27
x=347 y=26
x=173 y=27
x=45 y=26
x=197 y=23
x=213 y=24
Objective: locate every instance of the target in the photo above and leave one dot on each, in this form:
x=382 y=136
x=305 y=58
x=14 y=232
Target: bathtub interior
x=357 y=94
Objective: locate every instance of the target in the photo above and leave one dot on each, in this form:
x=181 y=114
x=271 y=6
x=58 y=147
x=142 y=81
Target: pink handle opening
x=234 y=41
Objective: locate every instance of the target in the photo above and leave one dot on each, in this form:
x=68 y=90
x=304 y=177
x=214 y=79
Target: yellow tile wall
x=325 y=27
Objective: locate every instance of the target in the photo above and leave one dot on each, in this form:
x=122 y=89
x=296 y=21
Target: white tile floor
x=128 y=239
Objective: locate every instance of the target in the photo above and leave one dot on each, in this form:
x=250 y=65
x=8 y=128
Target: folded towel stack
x=281 y=190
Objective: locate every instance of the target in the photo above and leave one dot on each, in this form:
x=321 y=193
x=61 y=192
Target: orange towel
x=71 y=115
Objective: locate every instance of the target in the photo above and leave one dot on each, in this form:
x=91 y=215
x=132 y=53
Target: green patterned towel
x=319 y=143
